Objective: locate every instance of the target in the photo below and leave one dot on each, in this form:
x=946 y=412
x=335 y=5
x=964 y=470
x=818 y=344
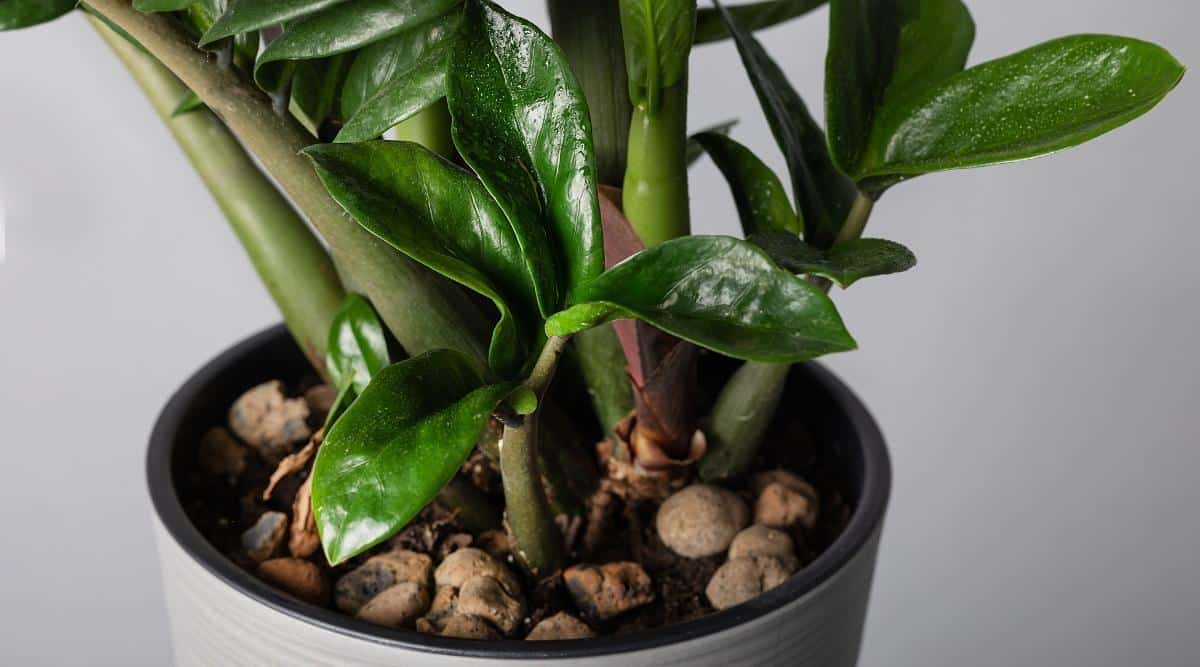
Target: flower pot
x=222 y=615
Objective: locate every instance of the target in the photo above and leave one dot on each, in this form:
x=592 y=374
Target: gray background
x=1036 y=374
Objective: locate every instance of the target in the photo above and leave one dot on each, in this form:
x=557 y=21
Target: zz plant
x=488 y=243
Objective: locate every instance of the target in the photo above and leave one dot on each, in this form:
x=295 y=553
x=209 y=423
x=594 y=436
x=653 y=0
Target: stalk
x=290 y=260
x=589 y=33
x=747 y=402
x=656 y=184
x=423 y=310
x=430 y=128
x=537 y=541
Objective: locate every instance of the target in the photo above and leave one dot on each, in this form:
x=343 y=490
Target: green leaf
x=762 y=202
x=751 y=16
x=190 y=102
x=823 y=195
x=357 y=348
x=717 y=292
x=695 y=151
x=352 y=26
x=882 y=52
x=396 y=446
x=391 y=61
x=845 y=263
x=149 y=6
x=441 y=216
x=247 y=15
x=15 y=14
x=520 y=121
x=658 y=39
x=1040 y=100
x=316 y=85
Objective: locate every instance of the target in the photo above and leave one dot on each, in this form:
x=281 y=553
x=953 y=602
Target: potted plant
x=520 y=400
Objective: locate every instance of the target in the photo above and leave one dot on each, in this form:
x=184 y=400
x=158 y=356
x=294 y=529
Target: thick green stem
x=423 y=310
x=656 y=179
x=288 y=257
x=747 y=403
x=430 y=128
x=589 y=33
x=537 y=541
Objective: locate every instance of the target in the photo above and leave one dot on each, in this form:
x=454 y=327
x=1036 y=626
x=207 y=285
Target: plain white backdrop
x=1036 y=375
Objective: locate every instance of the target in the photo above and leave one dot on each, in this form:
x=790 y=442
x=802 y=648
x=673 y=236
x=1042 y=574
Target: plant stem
x=656 y=183
x=538 y=544
x=423 y=310
x=589 y=33
x=603 y=364
x=747 y=402
x=290 y=260
x=430 y=128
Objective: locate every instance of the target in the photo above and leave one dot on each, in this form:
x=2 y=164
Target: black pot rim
x=866 y=520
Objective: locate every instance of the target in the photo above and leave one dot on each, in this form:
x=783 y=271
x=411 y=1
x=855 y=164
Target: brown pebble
x=560 y=626
x=298 y=577
x=357 y=587
x=781 y=506
x=220 y=454
x=760 y=540
x=742 y=579
x=270 y=423
x=320 y=400
x=398 y=606
x=467 y=563
x=701 y=520
x=486 y=598
x=468 y=627
x=604 y=591
x=496 y=543
x=263 y=539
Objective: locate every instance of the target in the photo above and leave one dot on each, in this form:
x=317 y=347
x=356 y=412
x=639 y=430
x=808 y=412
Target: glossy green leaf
x=351 y=26
x=761 y=200
x=823 y=195
x=695 y=151
x=717 y=292
x=399 y=100
x=751 y=16
x=390 y=63
x=441 y=216
x=16 y=14
x=357 y=348
x=882 y=52
x=190 y=102
x=316 y=85
x=162 y=5
x=1045 y=98
x=396 y=446
x=520 y=121
x=845 y=263
x=658 y=39
x=247 y=15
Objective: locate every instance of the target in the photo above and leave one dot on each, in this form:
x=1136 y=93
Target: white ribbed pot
x=222 y=615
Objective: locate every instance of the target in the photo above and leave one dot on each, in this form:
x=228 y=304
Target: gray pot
x=221 y=615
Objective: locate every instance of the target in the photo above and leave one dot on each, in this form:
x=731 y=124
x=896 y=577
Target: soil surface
x=224 y=496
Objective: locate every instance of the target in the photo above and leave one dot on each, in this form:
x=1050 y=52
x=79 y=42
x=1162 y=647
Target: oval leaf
x=352 y=26
x=751 y=16
x=845 y=263
x=16 y=14
x=762 y=202
x=823 y=194
x=247 y=15
x=658 y=38
x=390 y=61
x=520 y=121
x=1040 y=100
x=717 y=292
x=883 y=52
x=357 y=348
x=395 y=447
x=442 y=217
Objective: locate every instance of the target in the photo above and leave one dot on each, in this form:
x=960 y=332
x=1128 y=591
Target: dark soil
x=223 y=508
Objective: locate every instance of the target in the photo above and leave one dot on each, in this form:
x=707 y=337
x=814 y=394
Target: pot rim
x=865 y=521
